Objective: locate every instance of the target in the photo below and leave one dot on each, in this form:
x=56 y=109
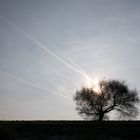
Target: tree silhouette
x=112 y=95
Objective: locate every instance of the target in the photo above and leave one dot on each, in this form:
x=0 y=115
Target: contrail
x=76 y=65
x=84 y=73
x=41 y=45
x=34 y=85
x=63 y=75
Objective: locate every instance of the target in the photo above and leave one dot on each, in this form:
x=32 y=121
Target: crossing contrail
x=34 y=85
x=41 y=45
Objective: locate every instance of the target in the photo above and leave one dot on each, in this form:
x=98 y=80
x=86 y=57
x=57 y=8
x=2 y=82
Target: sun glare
x=92 y=83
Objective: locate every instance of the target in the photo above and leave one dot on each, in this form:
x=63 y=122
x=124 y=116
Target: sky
x=51 y=48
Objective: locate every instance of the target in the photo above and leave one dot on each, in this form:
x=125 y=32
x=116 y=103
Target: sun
x=96 y=85
x=92 y=83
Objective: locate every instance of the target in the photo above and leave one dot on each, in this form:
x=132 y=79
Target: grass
x=69 y=130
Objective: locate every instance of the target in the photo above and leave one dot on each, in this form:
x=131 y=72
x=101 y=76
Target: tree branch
x=111 y=108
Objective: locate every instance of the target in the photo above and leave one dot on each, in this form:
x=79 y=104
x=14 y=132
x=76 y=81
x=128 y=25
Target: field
x=69 y=130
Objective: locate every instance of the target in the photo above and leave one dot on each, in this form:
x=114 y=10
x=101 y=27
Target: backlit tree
x=112 y=95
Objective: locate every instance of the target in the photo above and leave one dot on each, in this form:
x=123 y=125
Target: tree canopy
x=112 y=95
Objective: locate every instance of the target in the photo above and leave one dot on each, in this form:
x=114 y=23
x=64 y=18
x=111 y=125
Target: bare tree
x=112 y=95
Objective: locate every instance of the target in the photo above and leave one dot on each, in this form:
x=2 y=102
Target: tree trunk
x=101 y=116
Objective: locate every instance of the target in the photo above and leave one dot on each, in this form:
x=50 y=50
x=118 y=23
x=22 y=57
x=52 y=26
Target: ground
x=69 y=130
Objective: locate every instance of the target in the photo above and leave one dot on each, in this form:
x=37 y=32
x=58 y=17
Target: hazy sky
x=47 y=46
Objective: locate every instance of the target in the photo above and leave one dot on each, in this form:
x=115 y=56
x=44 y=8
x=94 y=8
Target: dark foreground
x=69 y=130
